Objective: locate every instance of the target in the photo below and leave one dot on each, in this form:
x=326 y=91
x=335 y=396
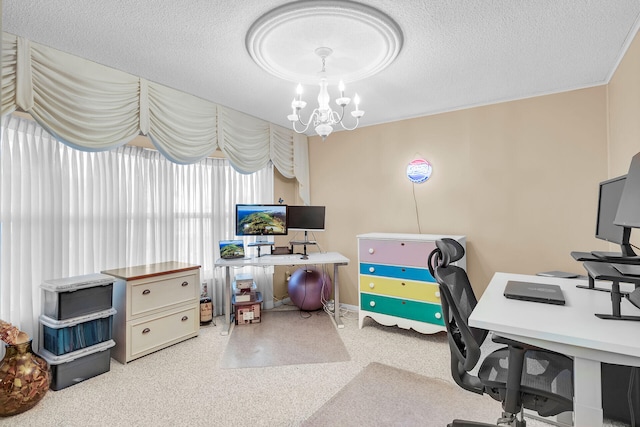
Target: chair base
x=506 y=420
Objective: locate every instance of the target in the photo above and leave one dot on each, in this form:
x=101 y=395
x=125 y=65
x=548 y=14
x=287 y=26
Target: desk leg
x=226 y=327
x=336 y=299
x=587 y=399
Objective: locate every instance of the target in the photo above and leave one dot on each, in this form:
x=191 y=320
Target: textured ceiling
x=455 y=53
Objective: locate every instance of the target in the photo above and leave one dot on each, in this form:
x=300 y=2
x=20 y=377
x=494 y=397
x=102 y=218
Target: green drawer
x=404 y=308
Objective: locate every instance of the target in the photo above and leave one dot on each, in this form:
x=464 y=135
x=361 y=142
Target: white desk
x=572 y=329
x=294 y=259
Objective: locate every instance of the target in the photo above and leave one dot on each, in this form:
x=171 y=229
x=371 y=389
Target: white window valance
x=95 y=108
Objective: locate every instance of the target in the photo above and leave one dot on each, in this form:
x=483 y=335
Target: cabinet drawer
x=150 y=295
x=397 y=271
x=422 y=291
x=163 y=330
x=403 y=252
x=404 y=308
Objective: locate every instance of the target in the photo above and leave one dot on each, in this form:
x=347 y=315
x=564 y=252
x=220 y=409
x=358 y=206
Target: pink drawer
x=397 y=252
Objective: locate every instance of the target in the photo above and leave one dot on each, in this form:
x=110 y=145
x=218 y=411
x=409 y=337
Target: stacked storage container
x=246 y=300
x=76 y=327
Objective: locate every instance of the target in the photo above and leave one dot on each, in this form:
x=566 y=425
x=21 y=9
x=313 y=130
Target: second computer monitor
x=608 y=201
x=305 y=218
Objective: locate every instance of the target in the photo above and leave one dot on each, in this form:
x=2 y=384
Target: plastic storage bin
x=77 y=366
x=66 y=336
x=247 y=312
x=76 y=296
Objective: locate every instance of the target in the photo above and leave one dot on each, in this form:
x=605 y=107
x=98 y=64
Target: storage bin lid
x=57 y=324
x=244 y=276
x=242 y=303
x=52 y=359
x=70 y=284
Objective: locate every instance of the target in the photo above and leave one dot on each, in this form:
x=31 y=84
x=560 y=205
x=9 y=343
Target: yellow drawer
x=421 y=291
x=163 y=330
x=150 y=295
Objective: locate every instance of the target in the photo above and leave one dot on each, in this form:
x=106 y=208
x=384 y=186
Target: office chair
x=518 y=375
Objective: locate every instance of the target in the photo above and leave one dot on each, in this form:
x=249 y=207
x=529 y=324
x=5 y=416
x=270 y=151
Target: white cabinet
x=395 y=286
x=157 y=306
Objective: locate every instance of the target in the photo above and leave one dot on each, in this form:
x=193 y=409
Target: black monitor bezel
x=308 y=226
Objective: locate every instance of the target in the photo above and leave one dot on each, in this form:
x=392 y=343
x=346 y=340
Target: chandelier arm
x=306 y=127
x=348 y=128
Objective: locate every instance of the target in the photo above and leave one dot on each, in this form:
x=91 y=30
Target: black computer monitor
x=628 y=214
x=305 y=218
x=609 y=198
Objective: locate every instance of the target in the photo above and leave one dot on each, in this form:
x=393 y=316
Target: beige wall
x=624 y=116
x=519 y=179
x=624 y=111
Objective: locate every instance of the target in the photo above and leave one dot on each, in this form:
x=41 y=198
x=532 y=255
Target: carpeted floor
x=185 y=385
x=382 y=395
x=284 y=338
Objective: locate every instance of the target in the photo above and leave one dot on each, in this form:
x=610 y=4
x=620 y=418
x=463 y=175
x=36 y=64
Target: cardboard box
x=243 y=281
x=246 y=314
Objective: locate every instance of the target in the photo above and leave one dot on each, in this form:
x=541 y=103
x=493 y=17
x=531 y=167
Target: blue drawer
x=400 y=272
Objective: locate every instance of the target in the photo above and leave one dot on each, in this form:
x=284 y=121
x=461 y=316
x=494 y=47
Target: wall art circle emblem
x=419 y=170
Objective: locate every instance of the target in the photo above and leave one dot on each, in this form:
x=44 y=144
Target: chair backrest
x=458 y=301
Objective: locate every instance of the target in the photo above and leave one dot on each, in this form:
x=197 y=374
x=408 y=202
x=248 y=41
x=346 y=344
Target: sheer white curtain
x=65 y=212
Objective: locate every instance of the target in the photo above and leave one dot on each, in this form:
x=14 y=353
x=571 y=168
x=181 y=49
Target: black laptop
x=536 y=292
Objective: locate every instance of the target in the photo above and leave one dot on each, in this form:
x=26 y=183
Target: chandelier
x=323 y=118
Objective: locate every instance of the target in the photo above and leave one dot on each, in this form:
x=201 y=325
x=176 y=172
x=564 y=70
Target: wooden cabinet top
x=150 y=270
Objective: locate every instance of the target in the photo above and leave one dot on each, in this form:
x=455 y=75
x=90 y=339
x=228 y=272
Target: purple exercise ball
x=306 y=285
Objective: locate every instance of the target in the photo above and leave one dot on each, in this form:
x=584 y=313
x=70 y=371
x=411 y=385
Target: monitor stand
x=259 y=243
x=626 y=254
x=304 y=243
x=616 y=299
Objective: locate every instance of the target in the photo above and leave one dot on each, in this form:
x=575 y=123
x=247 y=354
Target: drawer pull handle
x=371 y=269
x=146 y=292
x=146 y=330
x=404 y=284
x=372 y=303
x=404 y=269
x=371 y=285
x=185 y=318
x=404 y=302
x=438 y=315
x=402 y=244
x=371 y=250
x=437 y=294
x=185 y=284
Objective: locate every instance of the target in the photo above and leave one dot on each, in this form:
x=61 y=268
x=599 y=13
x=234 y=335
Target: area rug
x=382 y=395
x=284 y=338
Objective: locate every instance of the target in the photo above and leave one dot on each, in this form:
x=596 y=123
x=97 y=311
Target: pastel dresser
x=395 y=286
x=157 y=305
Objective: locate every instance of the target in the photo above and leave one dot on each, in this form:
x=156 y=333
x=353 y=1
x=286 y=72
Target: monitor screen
x=608 y=201
x=303 y=218
x=629 y=209
x=261 y=220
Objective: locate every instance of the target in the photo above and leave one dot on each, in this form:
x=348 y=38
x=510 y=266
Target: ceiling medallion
x=364 y=40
